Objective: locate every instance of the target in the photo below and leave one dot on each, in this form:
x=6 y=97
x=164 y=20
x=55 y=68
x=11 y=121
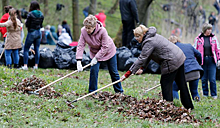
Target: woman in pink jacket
x=102 y=48
x=207 y=44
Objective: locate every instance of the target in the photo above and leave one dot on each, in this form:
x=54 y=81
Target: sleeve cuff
x=127 y=74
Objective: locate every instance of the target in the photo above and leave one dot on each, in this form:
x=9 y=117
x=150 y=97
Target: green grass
x=22 y=110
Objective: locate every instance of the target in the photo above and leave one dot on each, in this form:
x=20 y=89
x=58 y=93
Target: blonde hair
x=90 y=21
x=141 y=29
x=174 y=39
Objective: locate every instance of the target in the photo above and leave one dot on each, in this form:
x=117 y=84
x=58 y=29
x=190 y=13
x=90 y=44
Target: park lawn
x=22 y=110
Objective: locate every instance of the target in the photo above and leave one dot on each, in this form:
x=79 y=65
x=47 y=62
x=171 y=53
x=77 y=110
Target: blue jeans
x=193 y=86
x=209 y=68
x=15 y=56
x=113 y=71
x=32 y=38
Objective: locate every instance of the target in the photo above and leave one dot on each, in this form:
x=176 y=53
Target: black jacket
x=66 y=26
x=128 y=9
x=34 y=20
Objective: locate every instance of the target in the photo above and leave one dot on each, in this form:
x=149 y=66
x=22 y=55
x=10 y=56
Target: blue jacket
x=193 y=58
x=50 y=41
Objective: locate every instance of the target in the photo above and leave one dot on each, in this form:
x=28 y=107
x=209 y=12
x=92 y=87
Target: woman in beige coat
x=13 y=39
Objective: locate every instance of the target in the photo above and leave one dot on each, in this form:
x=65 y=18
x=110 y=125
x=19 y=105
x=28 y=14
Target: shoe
x=9 y=66
x=35 y=67
x=16 y=66
x=214 y=97
x=24 y=68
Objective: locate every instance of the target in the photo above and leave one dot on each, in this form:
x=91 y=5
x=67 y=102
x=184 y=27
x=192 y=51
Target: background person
x=193 y=70
x=101 y=17
x=52 y=36
x=65 y=37
x=13 y=39
x=207 y=44
x=129 y=14
x=102 y=49
x=33 y=23
x=4 y=18
x=18 y=14
x=59 y=30
x=67 y=27
x=169 y=56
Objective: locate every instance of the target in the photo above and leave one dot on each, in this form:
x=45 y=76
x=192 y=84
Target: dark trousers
x=127 y=33
x=167 y=83
x=113 y=71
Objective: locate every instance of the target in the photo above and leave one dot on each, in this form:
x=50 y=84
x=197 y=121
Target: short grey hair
x=90 y=21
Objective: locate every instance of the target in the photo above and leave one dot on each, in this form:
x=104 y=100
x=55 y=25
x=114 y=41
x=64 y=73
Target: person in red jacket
x=4 y=18
x=101 y=17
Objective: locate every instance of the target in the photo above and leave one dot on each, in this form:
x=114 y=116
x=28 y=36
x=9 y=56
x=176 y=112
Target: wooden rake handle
x=2 y=53
x=61 y=78
x=152 y=88
x=91 y=93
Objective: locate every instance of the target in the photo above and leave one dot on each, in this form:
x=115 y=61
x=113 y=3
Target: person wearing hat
x=207 y=44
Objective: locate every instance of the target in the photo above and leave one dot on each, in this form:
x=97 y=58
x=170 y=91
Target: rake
x=36 y=92
x=69 y=103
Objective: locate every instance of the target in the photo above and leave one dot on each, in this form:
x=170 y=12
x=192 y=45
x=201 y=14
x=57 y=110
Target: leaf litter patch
x=156 y=109
x=32 y=84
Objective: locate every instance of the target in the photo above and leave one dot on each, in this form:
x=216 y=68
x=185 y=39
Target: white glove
x=79 y=66
x=94 y=61
x=218 y=63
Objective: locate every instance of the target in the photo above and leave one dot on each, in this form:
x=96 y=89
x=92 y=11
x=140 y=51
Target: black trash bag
x=74 y=64
x=2 y=60
x=218 y=73
x=118 y=50
x=86 y=60
x=62 y=45
x=153 y=68
x=123 y=55
x=31 y=60
x=136 y=52
x=103 y=65
x=129 y=62
x=46 y=58
x=61 y=58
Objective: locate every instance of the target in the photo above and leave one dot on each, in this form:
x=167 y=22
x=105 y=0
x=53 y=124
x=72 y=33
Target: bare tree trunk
x=4 y=3
x=114 y=7
x=45 y=7
x=75 y=16
x=118 y=38
x=92 y=7
x=142 y=6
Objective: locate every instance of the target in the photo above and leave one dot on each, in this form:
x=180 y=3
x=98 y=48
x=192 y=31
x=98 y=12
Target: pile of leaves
x=29 y=85
x=147 y=108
